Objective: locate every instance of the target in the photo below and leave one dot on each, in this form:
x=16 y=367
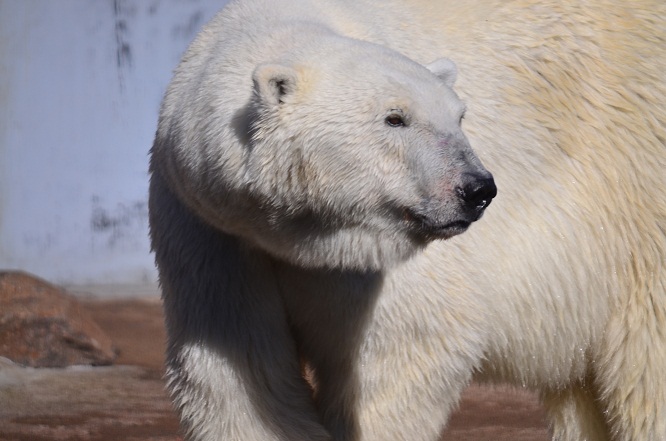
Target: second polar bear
x=305 y=170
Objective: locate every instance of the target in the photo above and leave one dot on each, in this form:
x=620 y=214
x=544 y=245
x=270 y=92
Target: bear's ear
x=445 y=70
x=272 y=82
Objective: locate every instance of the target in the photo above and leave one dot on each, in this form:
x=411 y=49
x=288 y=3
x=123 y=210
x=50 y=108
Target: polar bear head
x=353 y=157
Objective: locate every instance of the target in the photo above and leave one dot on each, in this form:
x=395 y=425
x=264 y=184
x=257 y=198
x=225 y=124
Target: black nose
x=478 y=191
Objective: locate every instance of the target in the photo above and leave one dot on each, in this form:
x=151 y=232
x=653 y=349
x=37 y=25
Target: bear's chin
x=424 y=233
x=348 y=250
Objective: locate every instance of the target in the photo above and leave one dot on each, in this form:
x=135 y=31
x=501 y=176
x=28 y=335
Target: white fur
x=276 y=217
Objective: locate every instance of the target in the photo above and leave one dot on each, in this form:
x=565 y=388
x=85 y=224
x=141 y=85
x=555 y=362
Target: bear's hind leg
x=632 y=372
x=574 y=415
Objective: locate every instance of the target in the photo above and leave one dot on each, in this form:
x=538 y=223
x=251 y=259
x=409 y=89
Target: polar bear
x=311 y=200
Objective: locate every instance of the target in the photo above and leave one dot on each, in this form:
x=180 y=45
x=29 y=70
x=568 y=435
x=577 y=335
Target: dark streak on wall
x=121 y=13
x=118 y=223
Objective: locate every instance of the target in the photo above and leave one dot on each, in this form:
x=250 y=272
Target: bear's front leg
x=329 y=310
x=232 y=366
x=390 y=359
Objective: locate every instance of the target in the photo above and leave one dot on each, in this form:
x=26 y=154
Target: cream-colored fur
x=275 y=196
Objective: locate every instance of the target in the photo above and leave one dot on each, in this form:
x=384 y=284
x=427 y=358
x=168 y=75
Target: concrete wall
x=80 y=87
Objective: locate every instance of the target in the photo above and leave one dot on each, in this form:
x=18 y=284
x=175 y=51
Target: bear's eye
x=395 y=120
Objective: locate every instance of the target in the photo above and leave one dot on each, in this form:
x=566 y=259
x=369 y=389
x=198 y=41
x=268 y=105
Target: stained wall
x=80 y=87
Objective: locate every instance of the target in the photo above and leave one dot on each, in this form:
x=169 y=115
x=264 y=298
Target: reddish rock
x=42 y=326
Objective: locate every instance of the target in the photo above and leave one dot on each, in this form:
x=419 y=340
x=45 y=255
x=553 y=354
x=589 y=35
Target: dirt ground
x=127 y=401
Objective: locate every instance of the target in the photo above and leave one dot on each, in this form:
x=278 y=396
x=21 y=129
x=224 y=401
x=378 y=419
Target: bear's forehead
x=372 y=74
x=365 y=73
x=356 y=57
x=396 y=87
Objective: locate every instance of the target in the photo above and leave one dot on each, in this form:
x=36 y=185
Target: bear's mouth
x=427 y=228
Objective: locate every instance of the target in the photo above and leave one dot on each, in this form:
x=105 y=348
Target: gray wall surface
x=80 y=87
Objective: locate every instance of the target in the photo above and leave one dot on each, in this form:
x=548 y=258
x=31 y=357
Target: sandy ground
x=127 y=401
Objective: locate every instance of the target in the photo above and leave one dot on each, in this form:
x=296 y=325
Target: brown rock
x=42 y=326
